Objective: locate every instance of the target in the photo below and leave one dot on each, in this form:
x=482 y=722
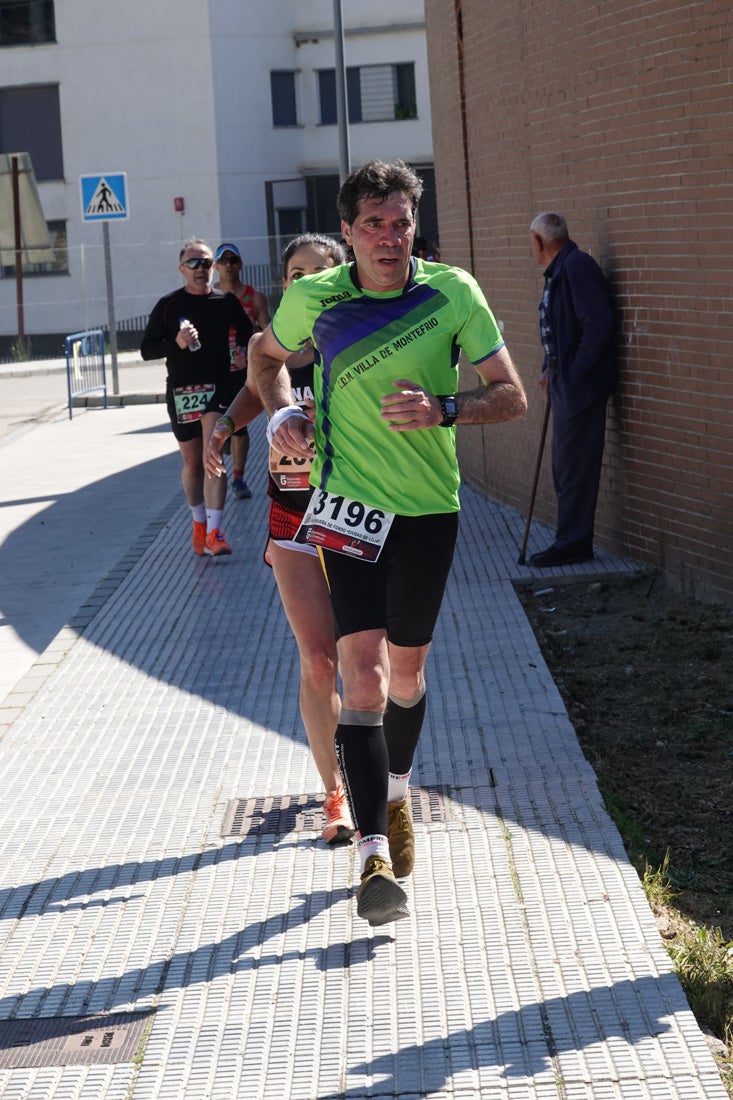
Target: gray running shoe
x=241 y=489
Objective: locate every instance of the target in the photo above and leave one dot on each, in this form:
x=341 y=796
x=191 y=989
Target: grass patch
x=702 y=958
x=704 y=964
x=647 y=677
x=657 y=887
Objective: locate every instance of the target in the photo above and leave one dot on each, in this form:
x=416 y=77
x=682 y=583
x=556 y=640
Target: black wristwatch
x=449 y=405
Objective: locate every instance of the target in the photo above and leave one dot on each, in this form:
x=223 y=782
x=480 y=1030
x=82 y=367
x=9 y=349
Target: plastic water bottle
x=195 y=344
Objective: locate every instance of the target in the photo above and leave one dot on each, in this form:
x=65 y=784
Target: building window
x=25 y=22
x=375 y=93
x=322 y=192
x=406 y=98
x=290 y=222
x=282 y=89
x=327 y=95
x=59 y=265
x=30 y=122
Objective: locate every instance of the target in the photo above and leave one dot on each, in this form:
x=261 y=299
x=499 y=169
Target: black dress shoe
x=556 y=555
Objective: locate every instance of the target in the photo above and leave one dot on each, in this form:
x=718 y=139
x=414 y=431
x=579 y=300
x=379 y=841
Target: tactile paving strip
x=272 y=816
x=71 y=1040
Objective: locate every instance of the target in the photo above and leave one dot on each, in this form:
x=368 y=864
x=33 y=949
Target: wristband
x=227 y=422
x=280 y=416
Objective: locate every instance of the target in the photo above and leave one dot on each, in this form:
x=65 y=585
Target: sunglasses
x=193 y=264
x=229 y=260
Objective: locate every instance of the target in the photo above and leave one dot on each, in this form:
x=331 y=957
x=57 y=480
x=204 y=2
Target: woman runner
x=296 y=566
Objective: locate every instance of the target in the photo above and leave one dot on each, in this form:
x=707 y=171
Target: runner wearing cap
x=228 y=263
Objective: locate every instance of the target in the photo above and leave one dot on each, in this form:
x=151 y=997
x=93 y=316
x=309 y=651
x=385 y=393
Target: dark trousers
x=577 y=455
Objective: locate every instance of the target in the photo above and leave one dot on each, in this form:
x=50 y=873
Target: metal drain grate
x=302 y=813
x=273 y=816
x=71 y=1040
x=429 y=805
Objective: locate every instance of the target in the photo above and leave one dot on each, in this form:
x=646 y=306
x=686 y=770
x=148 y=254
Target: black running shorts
x=403 y=590
x=220 y=400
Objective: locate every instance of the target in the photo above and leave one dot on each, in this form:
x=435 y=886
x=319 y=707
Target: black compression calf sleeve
x=362 y=756
x=402 y=725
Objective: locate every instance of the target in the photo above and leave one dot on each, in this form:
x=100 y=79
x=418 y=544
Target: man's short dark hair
x=193 y=242
x=377 y=180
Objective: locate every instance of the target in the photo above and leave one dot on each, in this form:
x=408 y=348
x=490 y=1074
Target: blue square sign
x=104 y=197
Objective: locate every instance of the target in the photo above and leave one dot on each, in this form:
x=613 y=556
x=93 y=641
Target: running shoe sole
x=342 y=834
x=381 y=900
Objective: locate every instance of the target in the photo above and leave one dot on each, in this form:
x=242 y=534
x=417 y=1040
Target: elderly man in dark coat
x=578 y=375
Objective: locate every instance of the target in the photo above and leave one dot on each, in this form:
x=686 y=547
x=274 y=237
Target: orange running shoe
x=216 y=544
x=198 y=538
x=337 y=825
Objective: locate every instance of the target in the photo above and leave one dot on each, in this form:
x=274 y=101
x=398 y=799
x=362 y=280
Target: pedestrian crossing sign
x=104 y=198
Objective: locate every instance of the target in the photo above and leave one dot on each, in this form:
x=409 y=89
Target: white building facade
x=221 y=114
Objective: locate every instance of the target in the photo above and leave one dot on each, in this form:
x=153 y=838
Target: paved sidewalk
x=75 y=495
x=171 y=924
x=35 y=391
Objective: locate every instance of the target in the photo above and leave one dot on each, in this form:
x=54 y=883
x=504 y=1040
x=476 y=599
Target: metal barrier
x=85 y=371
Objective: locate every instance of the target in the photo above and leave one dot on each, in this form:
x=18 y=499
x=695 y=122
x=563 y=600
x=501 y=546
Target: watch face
x=449 y=405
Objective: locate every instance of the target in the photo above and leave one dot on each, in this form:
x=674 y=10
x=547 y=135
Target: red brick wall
x=619 y=115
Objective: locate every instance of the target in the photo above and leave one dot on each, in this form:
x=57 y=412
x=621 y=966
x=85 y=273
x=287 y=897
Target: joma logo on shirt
x=335 y=298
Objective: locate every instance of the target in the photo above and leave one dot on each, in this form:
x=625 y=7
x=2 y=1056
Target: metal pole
x=82 y=259
x=18 y=259
x=342 y=118
x=110 y=308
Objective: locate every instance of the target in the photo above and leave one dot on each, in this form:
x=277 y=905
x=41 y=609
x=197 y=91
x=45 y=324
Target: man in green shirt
x=387 y=330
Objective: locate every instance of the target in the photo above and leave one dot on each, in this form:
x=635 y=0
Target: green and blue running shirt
x=364 y=341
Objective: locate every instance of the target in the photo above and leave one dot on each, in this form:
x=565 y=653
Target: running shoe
x=198 y=538
x=216 y=544
x=380 y=899
x=241 y=489
x=337 y=826
x=401 y=838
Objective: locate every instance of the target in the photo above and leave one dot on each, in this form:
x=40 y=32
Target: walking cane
x=545 y=419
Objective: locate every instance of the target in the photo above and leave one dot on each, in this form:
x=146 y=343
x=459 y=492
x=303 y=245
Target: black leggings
x=403 y=590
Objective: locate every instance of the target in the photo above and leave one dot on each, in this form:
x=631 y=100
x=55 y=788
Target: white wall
x=410 y=139
x=249 y=150
x=135 y=96
x=176 y=93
